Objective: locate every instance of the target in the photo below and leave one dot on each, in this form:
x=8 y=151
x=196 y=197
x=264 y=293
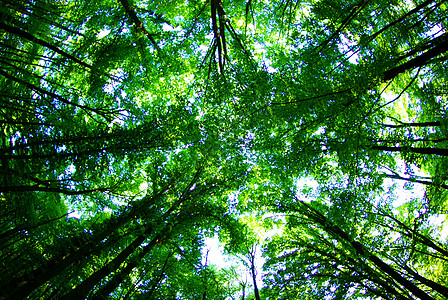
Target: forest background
x=131 y=131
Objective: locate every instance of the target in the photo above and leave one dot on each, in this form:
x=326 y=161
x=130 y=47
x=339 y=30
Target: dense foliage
x=314 y=132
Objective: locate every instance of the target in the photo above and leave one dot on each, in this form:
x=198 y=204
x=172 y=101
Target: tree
x=325 y=254
x=131 y=130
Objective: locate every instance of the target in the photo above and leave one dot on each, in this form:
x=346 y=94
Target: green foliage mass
x=311 y=133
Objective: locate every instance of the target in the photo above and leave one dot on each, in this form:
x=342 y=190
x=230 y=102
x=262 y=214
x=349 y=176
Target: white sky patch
x=167 y=27
x=213 y=253
x=436 y=31
x=75 y=214
x=345 y=46
x=404 y=195
x=203 y=49
x=216 y=254
x=119 y=120
x=143 y=186
x=439 y=221
x=269 y=69
x=305 y=183
x=102 y=33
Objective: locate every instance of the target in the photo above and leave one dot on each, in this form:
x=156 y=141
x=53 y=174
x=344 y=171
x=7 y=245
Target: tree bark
x=138 y=24
x=415 y=234
x=360 y=249
x=23 y=286
x=443 y=290
x=23 y=34
x=421 y=150
x=254 y=278
x=105 y=114
x=13 y=231
x=401 y=19
x=418 y=61
x=243 y=290
x=112 y=284
x=430 y=183
x=83 y=289
x=361 y=268
x=37 y=188
x=253 y=271
x=423 y=124
x=159 y=278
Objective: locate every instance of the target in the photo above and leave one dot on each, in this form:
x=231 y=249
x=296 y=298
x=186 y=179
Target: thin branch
x=138 y=24
x=19 y=32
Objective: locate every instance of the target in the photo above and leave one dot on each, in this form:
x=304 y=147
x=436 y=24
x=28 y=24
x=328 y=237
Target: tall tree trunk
x=119 y=276
x=412 y=233
x=361 y=250
x=401 y=19
x=83 y=289
x=23 y=34
x=243 y=290
x=253 y=271
x=443 y=290
x=11 y=232
x=420 y=60
x=414 y=124
x=138 y=24
x=364 y=269
x=422 y=150
x=105 y=114
x=414 y=180
x=159 y=278
x=37 y=188
x=254 y=278
x=21 y=287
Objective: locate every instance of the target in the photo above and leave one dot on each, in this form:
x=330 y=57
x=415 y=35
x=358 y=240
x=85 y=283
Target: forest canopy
x=312 y=132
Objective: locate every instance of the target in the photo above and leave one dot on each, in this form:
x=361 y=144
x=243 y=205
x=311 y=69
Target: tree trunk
x=138 y=24
x=26 y=284
x=436 y=151
x=368 y=272
x=443 y=290
x=430 y=183
x=254 y=271
x=11 y=232
x=423 y=124
x=418 y=61
x=361 y=250
x=103 y=113
x=83 y=289
x=159 y=278
x=37 y=188
x=118 y=277
x=243 y=290
x=401 y=19
x=23 y=34
x=254 y=277
x=419 y=237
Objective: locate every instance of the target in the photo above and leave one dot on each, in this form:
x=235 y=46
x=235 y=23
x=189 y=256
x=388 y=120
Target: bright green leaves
x=162 y=122
x=316 y=251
